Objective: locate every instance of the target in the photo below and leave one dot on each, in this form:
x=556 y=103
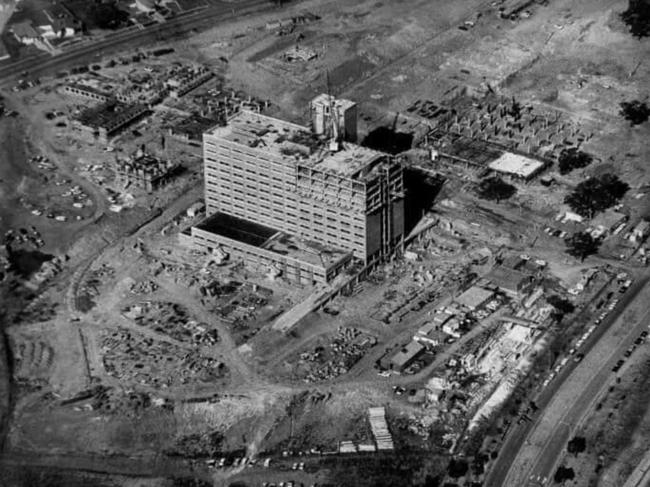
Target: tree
x=577 y=445
x=457 y=468
x=563 y=474
x=573 y=158
x=562 y=305
x=581 y=245
x=596 y=194
x=637 y=17
x=635 y=111
x=495 y=188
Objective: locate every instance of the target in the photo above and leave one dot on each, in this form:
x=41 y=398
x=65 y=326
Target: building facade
x=284 y=176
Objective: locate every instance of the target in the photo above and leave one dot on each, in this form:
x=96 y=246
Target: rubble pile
x=144 y=287
x=143 y=360
x=347 y=347
x=173 y=320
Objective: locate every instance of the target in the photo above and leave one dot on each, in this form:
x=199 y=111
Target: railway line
x=45 y=63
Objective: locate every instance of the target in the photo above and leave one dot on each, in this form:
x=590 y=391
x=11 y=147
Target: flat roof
x=516 y=164
x=271 y=239
x=236 y=228
x=407 y=353
x=474 y=297
x=608 y=218
x=290 y=140
x=506 y=278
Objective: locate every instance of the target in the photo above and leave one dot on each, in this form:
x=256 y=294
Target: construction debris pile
x=173 y=320
x=135 y=358
x=346 y=348
x=89 y=288
x=144 y=287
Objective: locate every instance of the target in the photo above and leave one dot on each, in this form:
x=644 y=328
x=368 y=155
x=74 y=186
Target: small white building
x=640 y=232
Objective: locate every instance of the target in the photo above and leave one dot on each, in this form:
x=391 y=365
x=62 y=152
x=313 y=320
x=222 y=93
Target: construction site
x=329 y=244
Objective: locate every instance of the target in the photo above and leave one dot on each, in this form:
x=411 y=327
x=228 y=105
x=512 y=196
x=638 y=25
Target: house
x=430 y=335
x=608 y=221
x=406 y=356
x=452 y=328
x=512 y=282
x=572 y=217
x=145 y=5
x=25 y=33
x=441 y=317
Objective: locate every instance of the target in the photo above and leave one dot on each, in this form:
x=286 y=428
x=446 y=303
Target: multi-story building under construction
x=302 y=203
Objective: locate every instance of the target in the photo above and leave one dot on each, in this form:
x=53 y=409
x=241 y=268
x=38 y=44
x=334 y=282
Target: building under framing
x=330 y=199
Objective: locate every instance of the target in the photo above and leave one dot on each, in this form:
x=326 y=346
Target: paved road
x=567 y=408
x=519 y=433
x=641 y=475
x=44 y=63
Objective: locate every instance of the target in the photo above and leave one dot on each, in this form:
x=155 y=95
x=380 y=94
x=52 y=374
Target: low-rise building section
x=108 y=119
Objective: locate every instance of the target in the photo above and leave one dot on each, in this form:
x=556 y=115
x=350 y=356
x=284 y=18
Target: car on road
x=578 y=357
x=644 y=334
x=618 y=365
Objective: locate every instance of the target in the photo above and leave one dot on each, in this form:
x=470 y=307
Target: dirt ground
x=163 y=382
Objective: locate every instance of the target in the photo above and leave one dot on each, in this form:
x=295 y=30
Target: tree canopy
x=573 y=158
x=457 y=468
x=577 y=445
x=581 y=245
x=495 y=188
x=562 y=305
x=635 y=111
x=563 y=474
x=596 y=194
x=637 y=17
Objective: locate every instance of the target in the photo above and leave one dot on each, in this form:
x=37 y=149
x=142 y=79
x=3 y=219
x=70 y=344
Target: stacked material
x=367 y=448
x=379 y=428
x=347 y=447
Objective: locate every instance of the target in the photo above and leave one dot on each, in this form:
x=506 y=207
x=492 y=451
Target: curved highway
x=532 y=450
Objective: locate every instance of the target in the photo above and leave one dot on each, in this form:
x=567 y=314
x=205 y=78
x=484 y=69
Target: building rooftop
x=407 y=354
x=517 y=165
x=608 y=219
x=286 y=139
x=474 y=297
x=235 y=228
x=271 y=239
x=508 y=279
